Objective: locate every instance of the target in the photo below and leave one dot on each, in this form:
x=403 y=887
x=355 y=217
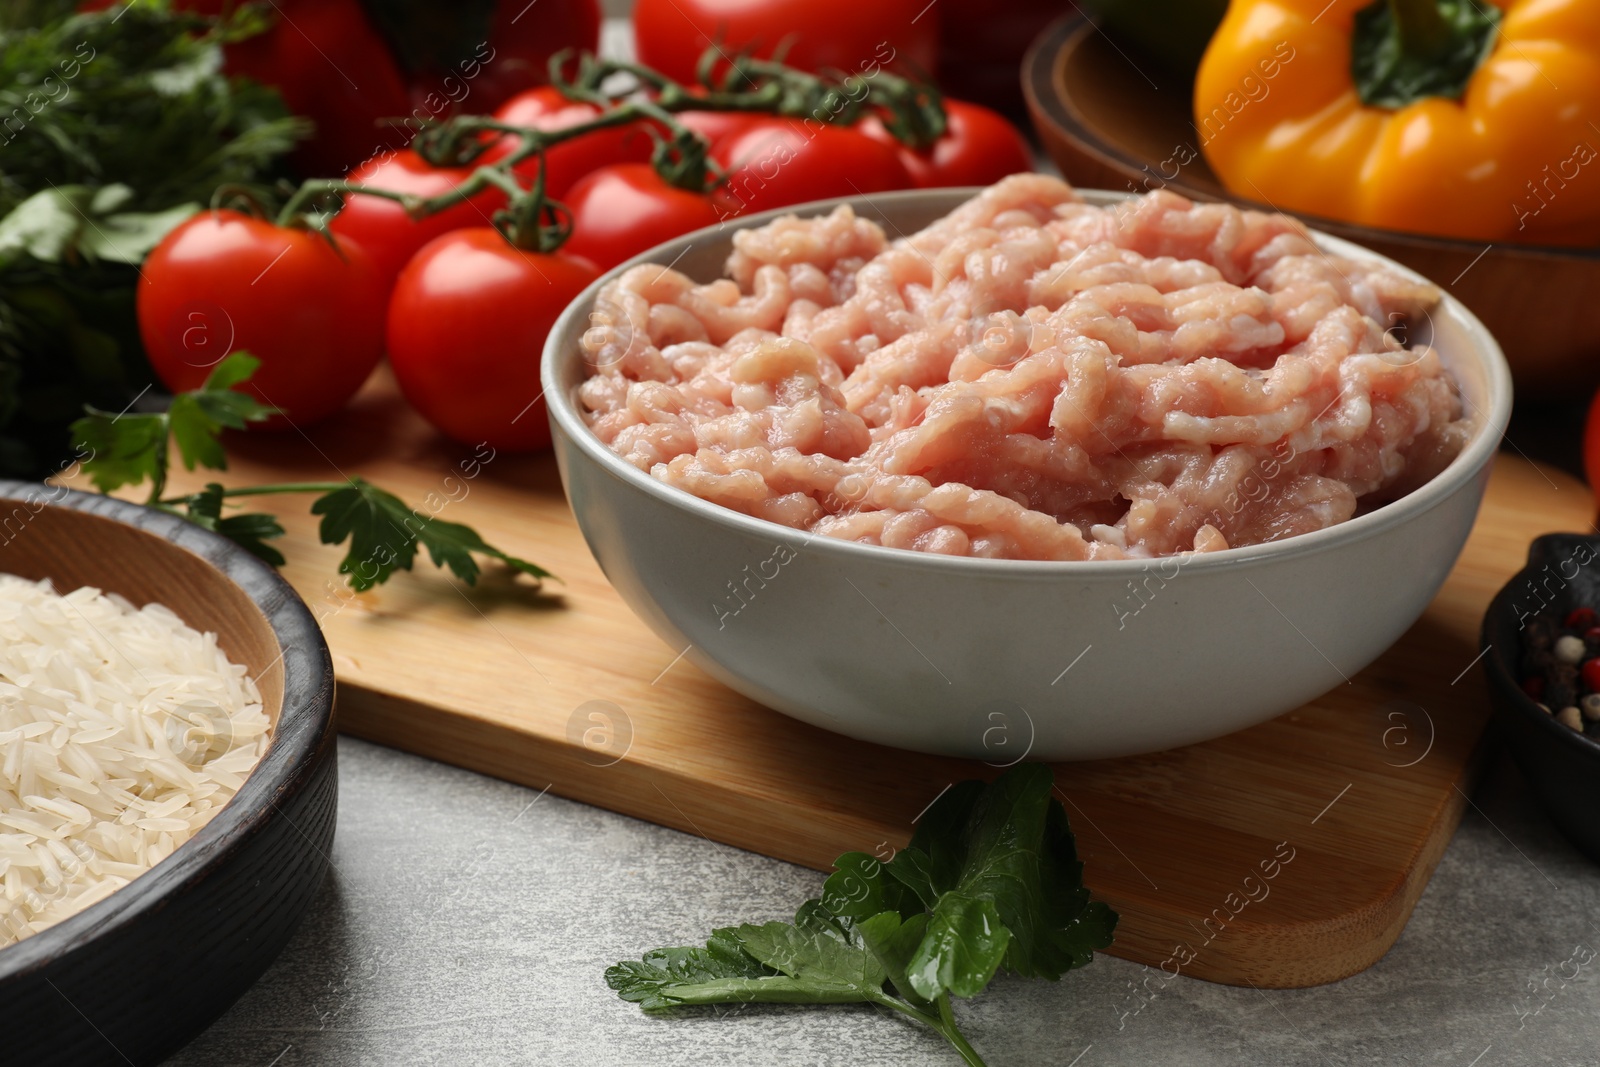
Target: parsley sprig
x=132 y=448
x=990 y=879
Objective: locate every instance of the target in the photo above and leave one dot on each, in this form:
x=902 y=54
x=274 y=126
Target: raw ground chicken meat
x=1030 y=377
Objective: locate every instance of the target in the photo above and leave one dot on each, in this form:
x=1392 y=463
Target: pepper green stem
x=1424 y=33
x=1402 y=51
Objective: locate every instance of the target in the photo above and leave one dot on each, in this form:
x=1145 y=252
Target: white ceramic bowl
x=996 y=659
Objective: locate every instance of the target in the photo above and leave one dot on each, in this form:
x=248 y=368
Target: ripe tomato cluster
x=463 y=321
x=461 y=312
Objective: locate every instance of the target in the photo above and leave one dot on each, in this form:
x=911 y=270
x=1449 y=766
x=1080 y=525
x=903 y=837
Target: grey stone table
x=467 y=922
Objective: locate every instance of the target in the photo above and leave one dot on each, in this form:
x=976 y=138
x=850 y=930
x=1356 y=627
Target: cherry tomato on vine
x=979 y=147
x=671 y=35
x=778 y=162
x=382 y=226
x=466 y=332
x=545 y=108
x=715 y=125
x=225 y=281
x=622 y=210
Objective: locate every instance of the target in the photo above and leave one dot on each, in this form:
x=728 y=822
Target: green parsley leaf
x=991 y=878
x=817 y=959
x=120 y=450
x=232 y=372
x=861 y=887
x=199 y=416
x=893 y=940
x=250 y=531
x=669 y=977
x=119 y=124
x=932 y=861
x=45 y=225
x=79 y=221
x=826 y=967
x=384 y=533
x=136 y=95
x=129 y=449
x=964 y=944
x=1008 y=887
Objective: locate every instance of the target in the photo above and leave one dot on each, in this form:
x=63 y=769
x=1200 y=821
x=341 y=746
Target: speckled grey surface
x=468 y=922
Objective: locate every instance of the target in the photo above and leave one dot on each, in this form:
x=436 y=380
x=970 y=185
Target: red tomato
x=715 y=125
x=779 y=162
x=979 y=147
x=671 y=35
x=382 y=226
x=466 y=330
x=545 y=108
x=224 y=281
x=622 y=210
x=332 y=66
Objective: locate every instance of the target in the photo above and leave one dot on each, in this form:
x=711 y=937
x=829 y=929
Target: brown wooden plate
x=131 y=979
x=1113 y=120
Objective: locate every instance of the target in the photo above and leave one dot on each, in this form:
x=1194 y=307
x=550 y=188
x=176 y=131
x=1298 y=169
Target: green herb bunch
x=991 y=878
x=115 y=126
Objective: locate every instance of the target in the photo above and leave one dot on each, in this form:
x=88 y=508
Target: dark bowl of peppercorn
x=1541 y=640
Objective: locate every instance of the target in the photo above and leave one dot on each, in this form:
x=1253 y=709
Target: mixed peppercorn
x=1561 y=668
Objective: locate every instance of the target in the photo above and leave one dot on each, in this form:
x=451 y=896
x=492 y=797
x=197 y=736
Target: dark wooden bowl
x=1114 y=120
x=1561 y=765
x=133 y=978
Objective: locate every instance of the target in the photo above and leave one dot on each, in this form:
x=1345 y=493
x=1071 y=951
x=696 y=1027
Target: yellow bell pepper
x=1461 y=118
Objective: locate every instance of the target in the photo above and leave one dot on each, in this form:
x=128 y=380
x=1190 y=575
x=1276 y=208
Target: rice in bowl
x=122 y=732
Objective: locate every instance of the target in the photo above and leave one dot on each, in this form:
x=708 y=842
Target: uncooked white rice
x=122 y=732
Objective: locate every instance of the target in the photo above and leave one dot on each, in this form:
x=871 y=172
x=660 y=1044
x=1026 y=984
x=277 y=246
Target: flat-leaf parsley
x=382 y=531
x=990 y=879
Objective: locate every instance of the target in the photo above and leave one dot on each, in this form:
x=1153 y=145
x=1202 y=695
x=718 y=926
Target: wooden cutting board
x=1287 y=855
